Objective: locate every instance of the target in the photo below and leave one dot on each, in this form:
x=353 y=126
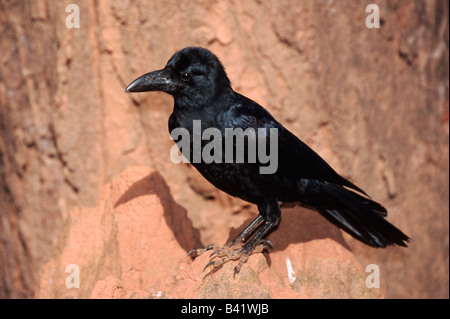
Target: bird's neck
x=202 y=108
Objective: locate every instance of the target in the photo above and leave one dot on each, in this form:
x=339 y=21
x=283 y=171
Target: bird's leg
x=256 y=245
x=269 y=217
x=236 y=243
x=250 y=229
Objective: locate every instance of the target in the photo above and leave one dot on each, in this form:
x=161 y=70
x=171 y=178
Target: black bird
x=202 y=91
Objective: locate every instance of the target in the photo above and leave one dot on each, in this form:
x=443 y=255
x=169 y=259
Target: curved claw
x=216 y=252
x=191 y=251
x=208 y=264
x=266 y=242
x=198 y=251
x=232 y=251
x=241 y=262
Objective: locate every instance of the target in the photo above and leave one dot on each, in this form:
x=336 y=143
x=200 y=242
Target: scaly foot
x=234 y=250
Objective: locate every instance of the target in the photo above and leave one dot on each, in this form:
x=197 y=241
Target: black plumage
x=201 y=90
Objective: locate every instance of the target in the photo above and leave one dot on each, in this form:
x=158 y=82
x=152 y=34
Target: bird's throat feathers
x=203 y=106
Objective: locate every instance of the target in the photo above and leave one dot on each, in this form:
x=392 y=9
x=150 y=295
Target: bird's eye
x=186 y=76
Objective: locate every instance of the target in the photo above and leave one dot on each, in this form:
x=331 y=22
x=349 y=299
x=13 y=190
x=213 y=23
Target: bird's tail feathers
x=362 y=218
x=376 y=207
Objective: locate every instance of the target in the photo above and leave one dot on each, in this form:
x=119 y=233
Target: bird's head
x=192 y=74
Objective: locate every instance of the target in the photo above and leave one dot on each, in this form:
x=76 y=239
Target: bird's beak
x=160 y=80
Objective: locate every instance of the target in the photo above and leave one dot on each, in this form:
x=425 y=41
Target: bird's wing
x=295 y=159
x=298 y=159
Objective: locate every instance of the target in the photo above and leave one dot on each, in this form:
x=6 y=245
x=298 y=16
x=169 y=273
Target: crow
x=201 y=90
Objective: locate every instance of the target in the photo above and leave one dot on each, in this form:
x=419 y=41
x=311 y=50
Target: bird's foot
x=232 y=251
